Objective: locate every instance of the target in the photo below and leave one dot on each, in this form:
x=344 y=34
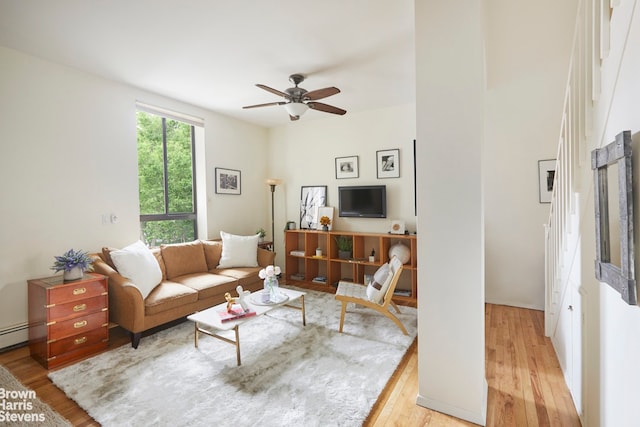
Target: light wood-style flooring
x=526 y=386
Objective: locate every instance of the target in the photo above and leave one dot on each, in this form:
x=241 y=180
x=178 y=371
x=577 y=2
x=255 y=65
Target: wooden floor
x=526 y=387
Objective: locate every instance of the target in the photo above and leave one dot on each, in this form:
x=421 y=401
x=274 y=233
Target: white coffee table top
x=210 y=316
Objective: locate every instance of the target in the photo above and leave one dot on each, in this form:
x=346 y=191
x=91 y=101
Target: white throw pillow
x=137 y=263
x=379 y=284
x=239 y=251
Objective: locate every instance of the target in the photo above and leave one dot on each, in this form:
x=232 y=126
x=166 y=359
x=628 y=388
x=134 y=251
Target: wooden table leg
x=237 y=344
x=195 y=337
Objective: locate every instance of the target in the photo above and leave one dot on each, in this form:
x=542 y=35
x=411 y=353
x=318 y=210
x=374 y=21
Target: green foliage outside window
x=167 y=209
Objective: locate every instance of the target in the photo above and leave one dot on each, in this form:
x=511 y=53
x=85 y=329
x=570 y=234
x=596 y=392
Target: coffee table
x=211 y=319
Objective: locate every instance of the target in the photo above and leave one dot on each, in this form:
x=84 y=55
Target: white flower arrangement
x=269 y=272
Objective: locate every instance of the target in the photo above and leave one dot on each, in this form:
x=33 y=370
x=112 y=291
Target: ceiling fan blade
x=294 y=118
x=268 y=104
x=321 y=93
x=274 y=91
x=326 y=108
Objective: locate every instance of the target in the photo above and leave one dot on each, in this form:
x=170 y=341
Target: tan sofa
x=191 y=282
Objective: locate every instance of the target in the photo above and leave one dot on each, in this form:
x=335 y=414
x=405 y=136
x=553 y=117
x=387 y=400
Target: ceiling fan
x=298 y=100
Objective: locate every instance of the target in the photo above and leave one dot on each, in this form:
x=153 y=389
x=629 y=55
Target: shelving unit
x=302 y=265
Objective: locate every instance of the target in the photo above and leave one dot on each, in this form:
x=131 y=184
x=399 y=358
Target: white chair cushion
x=379 y=284
x=137 y=263
x=238 y=251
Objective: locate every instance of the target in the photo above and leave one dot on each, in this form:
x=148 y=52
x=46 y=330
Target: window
x=166 y=175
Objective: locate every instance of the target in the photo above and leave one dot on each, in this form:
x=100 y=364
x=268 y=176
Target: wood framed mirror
x=613 y=200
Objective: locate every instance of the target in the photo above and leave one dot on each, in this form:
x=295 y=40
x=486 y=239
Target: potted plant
x=261 y=233
x=73 y=264
x=345 y=246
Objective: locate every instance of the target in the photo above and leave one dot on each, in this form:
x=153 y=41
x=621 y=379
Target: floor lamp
x=272 y=182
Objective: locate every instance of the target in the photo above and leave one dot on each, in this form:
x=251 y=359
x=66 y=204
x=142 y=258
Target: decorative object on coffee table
x=270 y=276
x=73 y=264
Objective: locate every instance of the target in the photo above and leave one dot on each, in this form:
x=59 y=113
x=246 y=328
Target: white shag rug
x=290 y=374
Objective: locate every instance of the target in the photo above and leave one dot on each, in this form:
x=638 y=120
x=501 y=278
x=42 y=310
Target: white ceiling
x=211 y=53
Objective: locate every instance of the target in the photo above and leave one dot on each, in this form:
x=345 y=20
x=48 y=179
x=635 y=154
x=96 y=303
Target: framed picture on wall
x=388 y=163
x=227 y=181
x=311 y=197
x=546 y=175
x=346 y=167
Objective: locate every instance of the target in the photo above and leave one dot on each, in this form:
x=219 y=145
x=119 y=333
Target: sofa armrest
x=126 y=306
x=265 y=257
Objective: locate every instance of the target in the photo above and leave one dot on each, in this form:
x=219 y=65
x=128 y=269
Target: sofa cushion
x=238 y=251
x=212 y=253
x=158 y=255
x=183 y=258
x=168 y=295
x=137 y=263
x=243 y=275
x=106 y=255
x=207 y=285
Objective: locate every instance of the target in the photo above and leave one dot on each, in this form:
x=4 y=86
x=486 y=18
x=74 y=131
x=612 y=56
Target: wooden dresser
x=68 y=321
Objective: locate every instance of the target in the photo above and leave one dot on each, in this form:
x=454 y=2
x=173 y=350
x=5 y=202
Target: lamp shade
x=296 y=108
x=273 y=181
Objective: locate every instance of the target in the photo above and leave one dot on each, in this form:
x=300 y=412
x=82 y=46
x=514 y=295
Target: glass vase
x=270 y=291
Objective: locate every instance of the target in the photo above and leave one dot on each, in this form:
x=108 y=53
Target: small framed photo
x=227 y=181
x=546 y=175
x=346 y=167
x=388 y=163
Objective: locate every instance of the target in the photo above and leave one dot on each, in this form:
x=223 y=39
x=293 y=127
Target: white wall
x=303 y=153
x=528 y=51
x=450 y=131
x=68 y=155
x=610 y=345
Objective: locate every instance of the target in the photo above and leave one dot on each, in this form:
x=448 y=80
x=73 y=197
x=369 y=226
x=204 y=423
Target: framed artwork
x=227 y=181
x=324 y=211
x=346 y=167
x=546 y=175
x=388 y=163
x=311 y=198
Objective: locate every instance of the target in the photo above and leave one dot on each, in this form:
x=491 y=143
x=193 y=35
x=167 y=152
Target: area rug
x=290 y=374
x=19 y=405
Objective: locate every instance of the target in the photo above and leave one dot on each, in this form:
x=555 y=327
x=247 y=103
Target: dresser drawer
x=77 y=308
x=78 y=325
x=79 y=290
x=77 y=342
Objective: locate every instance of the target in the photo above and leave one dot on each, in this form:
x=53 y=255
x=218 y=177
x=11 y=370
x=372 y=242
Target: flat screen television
x=365 y=201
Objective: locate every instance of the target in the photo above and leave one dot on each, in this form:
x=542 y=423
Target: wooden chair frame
x=360 y=298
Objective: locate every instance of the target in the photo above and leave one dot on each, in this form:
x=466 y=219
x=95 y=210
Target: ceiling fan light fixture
x=296 y=108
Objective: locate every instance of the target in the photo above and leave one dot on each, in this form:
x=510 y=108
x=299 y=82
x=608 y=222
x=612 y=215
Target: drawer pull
x=80 y=324
x=79 y=341
x=79 y=291
x=80 y=307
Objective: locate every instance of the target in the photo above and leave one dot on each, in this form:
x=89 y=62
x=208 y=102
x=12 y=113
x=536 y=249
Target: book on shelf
x=237 y=312
x=297 y=253
x=319 y=279
x=402 y=292
x=297 y=276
